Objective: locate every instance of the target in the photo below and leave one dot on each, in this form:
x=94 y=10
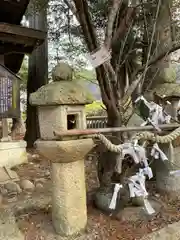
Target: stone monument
x=61 y=106
x=165 y=181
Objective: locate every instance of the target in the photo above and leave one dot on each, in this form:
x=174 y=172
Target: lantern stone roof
x=61 y=93
x=169 y=91
x=64 y=90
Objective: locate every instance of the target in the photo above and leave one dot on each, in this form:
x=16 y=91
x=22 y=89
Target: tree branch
x=135 y=83
x=124 y=24
x=151 y=42
x=111 y=19
x=92 y=44
x=72 y=8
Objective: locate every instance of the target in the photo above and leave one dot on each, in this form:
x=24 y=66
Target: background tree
x=134 y=35
x=37 y=68
x=128 y=44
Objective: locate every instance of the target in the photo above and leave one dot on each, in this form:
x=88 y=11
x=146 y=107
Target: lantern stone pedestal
x=61 y=106
x=69 y=213
x=167 y=182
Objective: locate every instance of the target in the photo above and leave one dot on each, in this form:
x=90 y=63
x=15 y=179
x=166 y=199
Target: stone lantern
x=165 y=180
x=61 y=103
x=61 y=106
x=168 y=92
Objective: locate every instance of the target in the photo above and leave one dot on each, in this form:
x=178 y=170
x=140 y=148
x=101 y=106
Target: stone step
x=7 y=175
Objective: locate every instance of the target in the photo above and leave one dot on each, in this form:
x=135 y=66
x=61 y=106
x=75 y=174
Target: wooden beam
x=37 y=76
x=12 y=3
x=11 y=48
x=81 y=132
x=22 y=31
x=21 y=35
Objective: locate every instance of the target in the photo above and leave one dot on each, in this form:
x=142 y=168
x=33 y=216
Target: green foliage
x=36 y=6
x=96 y=108
x=23 y=74
x=23 y=115
x=85 y=75
x=87 y=78
x=129 y=51
x=64 y=35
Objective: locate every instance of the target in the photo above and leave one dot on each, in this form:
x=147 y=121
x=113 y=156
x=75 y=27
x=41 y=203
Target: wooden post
x=37 y=75
x=4 y=128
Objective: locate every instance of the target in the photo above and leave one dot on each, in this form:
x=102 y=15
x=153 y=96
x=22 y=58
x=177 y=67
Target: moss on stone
x=62 y=71
x=61 y=93
x=168 y=75
x=166 y=89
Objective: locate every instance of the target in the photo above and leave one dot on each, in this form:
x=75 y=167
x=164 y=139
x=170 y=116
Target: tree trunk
x=112 y=87
x=162 y=71
x=18 y=129
x=37 y=76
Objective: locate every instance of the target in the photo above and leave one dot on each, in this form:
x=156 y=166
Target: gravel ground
x=37 y=225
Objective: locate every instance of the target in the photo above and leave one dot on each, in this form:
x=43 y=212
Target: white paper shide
x=115 y=195
x=99 y=57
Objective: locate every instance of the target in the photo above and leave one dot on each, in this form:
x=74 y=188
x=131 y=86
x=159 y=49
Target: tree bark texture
x=111 y=77
x=37 y=76
x=162 y=71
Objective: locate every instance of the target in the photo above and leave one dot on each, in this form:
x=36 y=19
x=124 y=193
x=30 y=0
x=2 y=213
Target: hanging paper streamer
x=152 y=123
x=175 y=173
x=144 y=100
x=154 y=115
x=150 y=210
x=157 y=153
x=136 y=151
x=135 y=142
x=137 y=186
x=113 y=202
x=99 y=56
x=146 y=171
x=143 y=106
x=171 y=152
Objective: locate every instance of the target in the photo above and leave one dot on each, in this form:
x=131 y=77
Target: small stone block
x=5 y=177
x=12 y=174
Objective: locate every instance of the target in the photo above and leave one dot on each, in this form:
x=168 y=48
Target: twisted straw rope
x=110 y=146
x=156 y=138
x=144 y=135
